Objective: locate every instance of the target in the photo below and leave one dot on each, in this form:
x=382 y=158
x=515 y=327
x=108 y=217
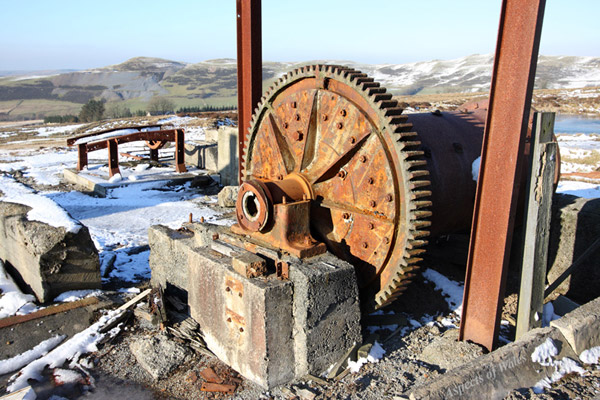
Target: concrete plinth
x=228 y=156
x=202 y=155
x=271 y=331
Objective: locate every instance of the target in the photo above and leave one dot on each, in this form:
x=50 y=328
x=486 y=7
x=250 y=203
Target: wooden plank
x=51 y=310
x=136 y=299
x=26 y=392
x=537 y=224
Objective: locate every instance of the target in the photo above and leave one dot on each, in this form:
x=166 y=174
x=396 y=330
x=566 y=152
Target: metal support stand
x=113 y=156
x=501 y=159
x=249 y=67
x=537 y=224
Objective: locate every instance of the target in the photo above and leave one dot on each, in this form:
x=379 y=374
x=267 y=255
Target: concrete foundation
x=575 y=226
x=202 y=155
x=228 y=156
x=43 y=259
x=272 y=331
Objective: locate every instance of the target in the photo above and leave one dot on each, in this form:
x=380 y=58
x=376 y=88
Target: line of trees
x=205 y=108
x=96 y=110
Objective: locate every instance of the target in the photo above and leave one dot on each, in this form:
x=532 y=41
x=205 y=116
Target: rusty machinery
x=331 y=163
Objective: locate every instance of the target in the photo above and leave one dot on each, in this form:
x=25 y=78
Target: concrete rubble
x=159 y=354
x=46 y=260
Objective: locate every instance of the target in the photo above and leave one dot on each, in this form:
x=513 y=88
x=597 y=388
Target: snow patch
x=475 y=168
x=12 y=300
x=81 y=343
x=544 y=352
x=451 y=289
x=74 y=295
x=43 y=209
x=375 y=354
x=20 y=360
x=590 y=356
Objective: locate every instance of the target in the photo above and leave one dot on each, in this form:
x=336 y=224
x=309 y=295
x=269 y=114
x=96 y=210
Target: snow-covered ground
x=119 y=223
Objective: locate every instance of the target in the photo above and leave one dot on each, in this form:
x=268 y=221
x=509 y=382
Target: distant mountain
x=214 y=82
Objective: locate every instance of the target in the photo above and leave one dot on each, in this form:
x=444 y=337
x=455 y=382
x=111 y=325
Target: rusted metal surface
x=278 y=213
x=71 y=141
x=210 y=375
x=218 y=387
x=249 y=66
x=282 y=270
x=156 y=138
x=366 y=184
x=497 y=191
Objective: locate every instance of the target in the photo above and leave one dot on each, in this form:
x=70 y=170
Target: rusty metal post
x=113 y=156
x=179 y=151
x=82 y=158
x=249 y=67
x=153 y=154
x=501 y=161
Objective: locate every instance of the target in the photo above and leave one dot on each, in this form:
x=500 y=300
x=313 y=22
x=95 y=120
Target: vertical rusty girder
x=501 y=161
x=249 y=67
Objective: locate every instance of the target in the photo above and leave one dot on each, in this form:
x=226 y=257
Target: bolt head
x=346 y=215
x=371 y=181
x=285 y=125
x=352 y=140
x=386 y=240
x=342 y=174
x=363 y=159
x=280 y=177
x=324 y=117
x=294 y=104
x=365 y=245
x=343 y=113
x=371 y=225
x=340 y=125
x=372 y=203
x=389 y=197
x=297 y=117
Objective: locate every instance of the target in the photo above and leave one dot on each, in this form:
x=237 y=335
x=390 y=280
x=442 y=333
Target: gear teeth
x=419 y=194
x=404 y=129
x=420 y=204
x=415 y=252
x=418 y=234
x=419 y=224
x=383 y=97
x=399 y=120
x=391 y=111
x=420 y=214
x=414 y=244
x=416 y=163
x=418 y=184
x=418 y=174
x=388 y=103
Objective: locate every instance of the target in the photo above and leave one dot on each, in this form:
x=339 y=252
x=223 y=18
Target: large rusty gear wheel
x=343 y=133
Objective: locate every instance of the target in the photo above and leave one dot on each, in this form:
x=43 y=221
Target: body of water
x=576 y=124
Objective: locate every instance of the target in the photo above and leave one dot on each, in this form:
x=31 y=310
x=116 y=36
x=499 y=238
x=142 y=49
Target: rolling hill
x=214 y=82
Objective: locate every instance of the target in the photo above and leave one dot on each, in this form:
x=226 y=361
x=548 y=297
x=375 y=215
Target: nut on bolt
x=346 y=215
x=342 y=174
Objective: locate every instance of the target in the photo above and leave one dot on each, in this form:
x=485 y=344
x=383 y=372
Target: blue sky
x=36 y=34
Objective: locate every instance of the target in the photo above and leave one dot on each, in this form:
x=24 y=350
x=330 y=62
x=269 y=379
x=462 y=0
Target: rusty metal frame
x=249 y=67
x=501 y=162
x=169 y=135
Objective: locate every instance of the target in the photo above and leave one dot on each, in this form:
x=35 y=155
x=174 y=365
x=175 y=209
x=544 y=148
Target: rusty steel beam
x=249 y=67
x=113 y=156
x=501 y=162
x=71 y=141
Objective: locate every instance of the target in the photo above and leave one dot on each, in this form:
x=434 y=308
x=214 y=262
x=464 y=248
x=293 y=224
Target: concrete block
x=169 y=257
x=575 y=226
x=158 y=355
x=202 y=155
x=43 y=259
x=495 y=375
x=247 y=323
x=228 y=156
x=581 y=327
x=211 y=135
x=326 y=312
